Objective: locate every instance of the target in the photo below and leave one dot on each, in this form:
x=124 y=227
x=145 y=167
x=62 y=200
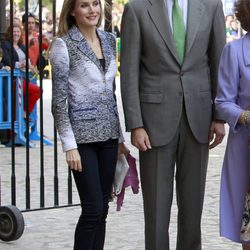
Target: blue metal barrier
x=5 y=113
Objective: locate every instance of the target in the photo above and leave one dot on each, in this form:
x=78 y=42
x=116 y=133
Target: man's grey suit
x=174 y=104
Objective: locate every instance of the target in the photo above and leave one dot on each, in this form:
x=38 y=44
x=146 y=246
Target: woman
x=233 y=103
x=83 y=61
x=19 y=60
x=33 y=41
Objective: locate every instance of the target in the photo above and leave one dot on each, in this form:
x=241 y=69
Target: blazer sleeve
x=216 y=45
x=227 y=91
x=6 y=54
x=60 y=75
x=6 y=47
x=130 y=68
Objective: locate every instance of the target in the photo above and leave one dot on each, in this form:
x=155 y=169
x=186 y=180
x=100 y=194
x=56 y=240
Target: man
x=170 y=52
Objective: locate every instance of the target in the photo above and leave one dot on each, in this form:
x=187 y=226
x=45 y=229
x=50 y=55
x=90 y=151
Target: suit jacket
x=83 y=101
x=154 y=86
x=6 y=47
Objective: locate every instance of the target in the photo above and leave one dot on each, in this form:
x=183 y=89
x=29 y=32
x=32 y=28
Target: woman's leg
x=89 y=190
x=93 y=183
x=107 y=157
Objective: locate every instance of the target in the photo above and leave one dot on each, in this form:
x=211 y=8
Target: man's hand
x=217 y=133
x=73 y=159
x=140 y=139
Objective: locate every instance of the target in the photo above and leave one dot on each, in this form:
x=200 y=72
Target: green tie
x=178 y=30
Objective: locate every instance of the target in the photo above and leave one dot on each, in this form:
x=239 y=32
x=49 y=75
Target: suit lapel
x=83 y=46
x=195 y=10
x=106 y=50
x=159 y=15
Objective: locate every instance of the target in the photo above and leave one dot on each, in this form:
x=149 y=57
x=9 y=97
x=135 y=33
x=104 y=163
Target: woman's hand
x=122 y=149
x=7 y=68
x=31 y=67
x=73 y=159
x=23 y=65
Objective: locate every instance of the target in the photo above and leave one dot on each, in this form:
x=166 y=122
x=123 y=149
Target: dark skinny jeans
x=94 y=185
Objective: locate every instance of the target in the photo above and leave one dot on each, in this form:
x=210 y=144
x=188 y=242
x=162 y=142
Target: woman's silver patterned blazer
x=83 y=100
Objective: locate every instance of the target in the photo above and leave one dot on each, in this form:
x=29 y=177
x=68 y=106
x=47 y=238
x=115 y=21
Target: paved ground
x=54 y=229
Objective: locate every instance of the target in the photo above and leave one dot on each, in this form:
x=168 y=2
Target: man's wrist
x=134 y=129
x=219 y=120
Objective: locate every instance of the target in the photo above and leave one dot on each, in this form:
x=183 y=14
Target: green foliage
x=20 y=5
x=121 y=1
x=47 y=3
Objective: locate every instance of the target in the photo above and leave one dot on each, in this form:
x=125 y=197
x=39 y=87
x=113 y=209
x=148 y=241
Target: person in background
x=233 y=106
x=19 y=61
x=235 y=31
x=170 y=53
x=115 y=28
x=235 y=28
x=32 y=33
x=33 y=39
x=83 y=60
x=1 y=58
x=3 y=133
x=228 y=20
x=15 y=20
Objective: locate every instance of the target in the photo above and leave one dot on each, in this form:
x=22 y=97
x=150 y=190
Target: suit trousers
x=185 y=159
x=94 y=185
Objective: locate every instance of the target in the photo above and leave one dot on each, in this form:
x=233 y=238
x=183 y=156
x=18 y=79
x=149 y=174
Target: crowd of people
x=19 y=61
x=14 y=53
x=180 y=83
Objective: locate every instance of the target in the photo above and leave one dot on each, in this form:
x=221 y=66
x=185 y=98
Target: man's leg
x=191 y=168
x=157 y=173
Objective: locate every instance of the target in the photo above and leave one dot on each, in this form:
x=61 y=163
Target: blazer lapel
x=246 y=49
x=159 y=15
x=106 y=49
x=83 y=46
x=195 y=10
